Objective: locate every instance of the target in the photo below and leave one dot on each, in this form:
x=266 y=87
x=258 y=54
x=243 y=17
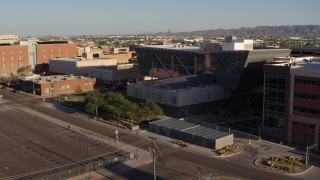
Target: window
x=174 y=100
x=312 y=126
x=303 y=125
x=47 y=90
x=294 y=123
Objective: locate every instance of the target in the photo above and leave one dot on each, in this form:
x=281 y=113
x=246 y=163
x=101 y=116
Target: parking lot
x=29 y=145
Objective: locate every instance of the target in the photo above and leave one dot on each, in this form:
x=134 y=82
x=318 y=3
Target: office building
x=12 y=59
x=291 y=110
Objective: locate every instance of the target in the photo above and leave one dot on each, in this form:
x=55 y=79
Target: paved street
x=176 y=162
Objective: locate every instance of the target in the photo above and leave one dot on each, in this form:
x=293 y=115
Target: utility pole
x=34 y=92
x=136 y=145
x=153 y=153
x=117 y=137
x=97 y=112
x=88 y=166
x=315 y=146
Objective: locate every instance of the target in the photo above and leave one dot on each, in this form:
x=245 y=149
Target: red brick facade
x=68 y=86
x=12 y=58
x=49 y=51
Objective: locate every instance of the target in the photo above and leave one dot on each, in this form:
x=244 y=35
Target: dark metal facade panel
x=180 y=128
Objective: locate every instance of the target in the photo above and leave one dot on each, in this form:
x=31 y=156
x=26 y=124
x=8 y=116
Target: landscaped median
x=284 y=164
x=228 y=150
x=180 y=143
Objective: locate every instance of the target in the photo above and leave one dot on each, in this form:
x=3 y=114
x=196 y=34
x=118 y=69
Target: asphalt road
x=181 y=161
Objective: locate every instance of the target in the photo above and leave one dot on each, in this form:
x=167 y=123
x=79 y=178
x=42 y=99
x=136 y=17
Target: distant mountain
x=295 y=30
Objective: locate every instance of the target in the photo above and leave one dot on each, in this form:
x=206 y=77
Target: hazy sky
x=105 y=17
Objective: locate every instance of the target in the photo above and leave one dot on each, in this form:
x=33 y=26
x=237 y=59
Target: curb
x=280 y=171
x=230 y=155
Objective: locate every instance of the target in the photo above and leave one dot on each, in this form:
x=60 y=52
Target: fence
x=237 y=134
x=84 y=169
x=123 y=152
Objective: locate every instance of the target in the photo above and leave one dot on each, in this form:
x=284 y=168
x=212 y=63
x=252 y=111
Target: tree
x=150 y=109
x=21 y=71
x=93 y=101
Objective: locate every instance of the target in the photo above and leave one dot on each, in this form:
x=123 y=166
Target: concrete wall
x=177 y=98
x=77 y=67
x=224 y=141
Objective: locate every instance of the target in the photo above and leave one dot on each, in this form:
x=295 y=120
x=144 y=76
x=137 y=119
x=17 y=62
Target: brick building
x=50 y=50
x=292 y=101
x=12 y=57
x=49 y=86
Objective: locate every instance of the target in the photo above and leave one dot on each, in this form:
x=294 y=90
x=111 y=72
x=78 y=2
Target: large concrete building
x=172 y=59
x=185 y=95
x=13 y=57
x=234 y=73
x=77 y=66
x=292 y=101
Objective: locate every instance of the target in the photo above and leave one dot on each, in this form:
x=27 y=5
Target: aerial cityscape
x=146 y=90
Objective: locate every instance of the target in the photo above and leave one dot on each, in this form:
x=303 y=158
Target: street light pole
x=34 y=93
x=88 y=166
x=136 y=145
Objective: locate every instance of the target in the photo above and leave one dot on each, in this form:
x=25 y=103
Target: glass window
x=312 y=126
x=294 y=123
x=303 y=125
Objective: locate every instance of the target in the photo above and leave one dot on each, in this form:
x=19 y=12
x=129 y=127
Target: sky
x=117 y=17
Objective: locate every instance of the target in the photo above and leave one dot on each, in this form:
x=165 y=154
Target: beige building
x=8 y=38
x=77 y=66
x=121 y=57
x=113 y=76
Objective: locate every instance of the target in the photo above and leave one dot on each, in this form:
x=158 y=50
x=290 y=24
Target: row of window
x=303 y=125
x=51 y=50
x=306 y=110
x=4 y=65
x=307 y=96
x=51 y=56
x=3 y=59
x=273 y=122
x=11 y=52
x=307 y=82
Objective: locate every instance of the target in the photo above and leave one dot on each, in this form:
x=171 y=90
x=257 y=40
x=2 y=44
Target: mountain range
x=294 y=30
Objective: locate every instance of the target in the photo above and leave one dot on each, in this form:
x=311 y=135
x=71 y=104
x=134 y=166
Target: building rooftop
x=57 y=78
x=173 y=47
x=53 y=42
x=116 y=67
x=303 y=63
x=82 y=59
x=190 y=128
x=182 y=82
